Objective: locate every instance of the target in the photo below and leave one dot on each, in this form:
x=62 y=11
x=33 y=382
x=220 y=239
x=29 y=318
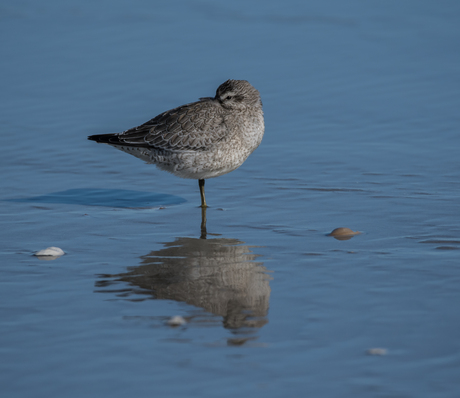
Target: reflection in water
x=218 y=275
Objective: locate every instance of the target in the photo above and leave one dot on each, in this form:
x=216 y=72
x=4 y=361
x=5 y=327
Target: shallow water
x=362 y=131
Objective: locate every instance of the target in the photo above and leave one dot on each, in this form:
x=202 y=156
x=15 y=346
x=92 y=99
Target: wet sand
x=361 y=109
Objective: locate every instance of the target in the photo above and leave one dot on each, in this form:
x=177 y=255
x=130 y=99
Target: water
x=362 y=131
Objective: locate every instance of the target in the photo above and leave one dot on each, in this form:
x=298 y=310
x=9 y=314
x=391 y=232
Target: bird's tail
x=105 y=138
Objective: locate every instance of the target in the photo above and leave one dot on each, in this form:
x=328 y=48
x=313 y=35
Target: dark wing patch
x=194 y=126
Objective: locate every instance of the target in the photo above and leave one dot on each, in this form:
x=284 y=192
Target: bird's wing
x=194 y=126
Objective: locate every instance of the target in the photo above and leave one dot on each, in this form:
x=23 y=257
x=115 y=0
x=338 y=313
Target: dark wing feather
x=194 y=126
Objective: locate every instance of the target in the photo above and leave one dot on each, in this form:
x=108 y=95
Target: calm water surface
x=361 y=106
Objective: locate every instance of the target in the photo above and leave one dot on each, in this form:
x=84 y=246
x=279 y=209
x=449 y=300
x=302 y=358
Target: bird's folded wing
x=195 y=126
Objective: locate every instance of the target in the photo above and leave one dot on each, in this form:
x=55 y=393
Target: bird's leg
x=203 y=223
x=203 y=200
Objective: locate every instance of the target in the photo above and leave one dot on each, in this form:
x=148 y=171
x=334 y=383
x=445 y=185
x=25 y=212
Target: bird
x=199 y=140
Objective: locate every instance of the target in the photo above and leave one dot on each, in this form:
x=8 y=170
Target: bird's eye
x=228 y=97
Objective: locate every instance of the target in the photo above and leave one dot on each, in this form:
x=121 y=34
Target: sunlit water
x=361 y=107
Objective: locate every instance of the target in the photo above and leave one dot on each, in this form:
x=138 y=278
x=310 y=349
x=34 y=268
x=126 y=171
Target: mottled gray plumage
x=200 y=140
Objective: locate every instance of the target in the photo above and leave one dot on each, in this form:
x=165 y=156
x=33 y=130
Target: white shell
x=176 y=320
x=50 y=251
x=377 y=351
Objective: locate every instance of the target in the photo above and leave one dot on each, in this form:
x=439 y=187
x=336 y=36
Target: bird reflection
x=219 y=275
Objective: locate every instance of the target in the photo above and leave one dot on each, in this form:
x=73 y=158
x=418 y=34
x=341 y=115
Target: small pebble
x=50 y=251
x=176 y=320
x=377 y=351
x=343 y=233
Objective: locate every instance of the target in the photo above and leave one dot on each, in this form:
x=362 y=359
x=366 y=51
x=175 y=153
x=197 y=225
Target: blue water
x=361 y=105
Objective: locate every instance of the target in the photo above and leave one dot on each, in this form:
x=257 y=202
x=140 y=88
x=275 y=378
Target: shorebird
x=200 y=140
